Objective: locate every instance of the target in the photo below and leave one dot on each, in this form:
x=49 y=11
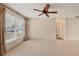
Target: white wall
x=72 y=29
x=42 y=28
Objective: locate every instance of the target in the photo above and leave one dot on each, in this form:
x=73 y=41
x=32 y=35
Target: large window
x=10 y=27
x=14 y=26
x=19 y=27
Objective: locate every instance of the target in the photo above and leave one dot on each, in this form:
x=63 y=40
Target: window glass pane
x=20 y=27
x=9 y=26
x=14 y=26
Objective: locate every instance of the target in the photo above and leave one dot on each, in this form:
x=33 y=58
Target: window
x=9 y=27
x=14 y=26
x=20 y=27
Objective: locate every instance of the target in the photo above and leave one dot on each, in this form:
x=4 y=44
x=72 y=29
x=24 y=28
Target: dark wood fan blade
x=46 y=14
x=41 y=14
x=37 y=10
x=52 y=12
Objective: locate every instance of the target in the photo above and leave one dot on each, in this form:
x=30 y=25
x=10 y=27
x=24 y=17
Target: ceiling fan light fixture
x=45 y=10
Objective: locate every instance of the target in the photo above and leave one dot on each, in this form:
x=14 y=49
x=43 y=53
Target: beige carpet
x=45 y=48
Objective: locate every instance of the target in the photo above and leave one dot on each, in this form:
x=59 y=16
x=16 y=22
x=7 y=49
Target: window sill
x=11 y=40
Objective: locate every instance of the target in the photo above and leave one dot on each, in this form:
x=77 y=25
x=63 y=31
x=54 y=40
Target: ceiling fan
x=45 y=11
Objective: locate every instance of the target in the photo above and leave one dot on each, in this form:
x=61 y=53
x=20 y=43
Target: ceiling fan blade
x=52 y=12
x=46 y=14
x=37 y=10
x=40 y=14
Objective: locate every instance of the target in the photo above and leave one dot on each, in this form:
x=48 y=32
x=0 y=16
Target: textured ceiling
x=64 y=9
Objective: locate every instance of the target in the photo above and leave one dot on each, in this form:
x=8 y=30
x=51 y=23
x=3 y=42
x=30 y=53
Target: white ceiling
x=64 y=10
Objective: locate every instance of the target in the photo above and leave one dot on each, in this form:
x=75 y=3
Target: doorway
x=60 y=28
